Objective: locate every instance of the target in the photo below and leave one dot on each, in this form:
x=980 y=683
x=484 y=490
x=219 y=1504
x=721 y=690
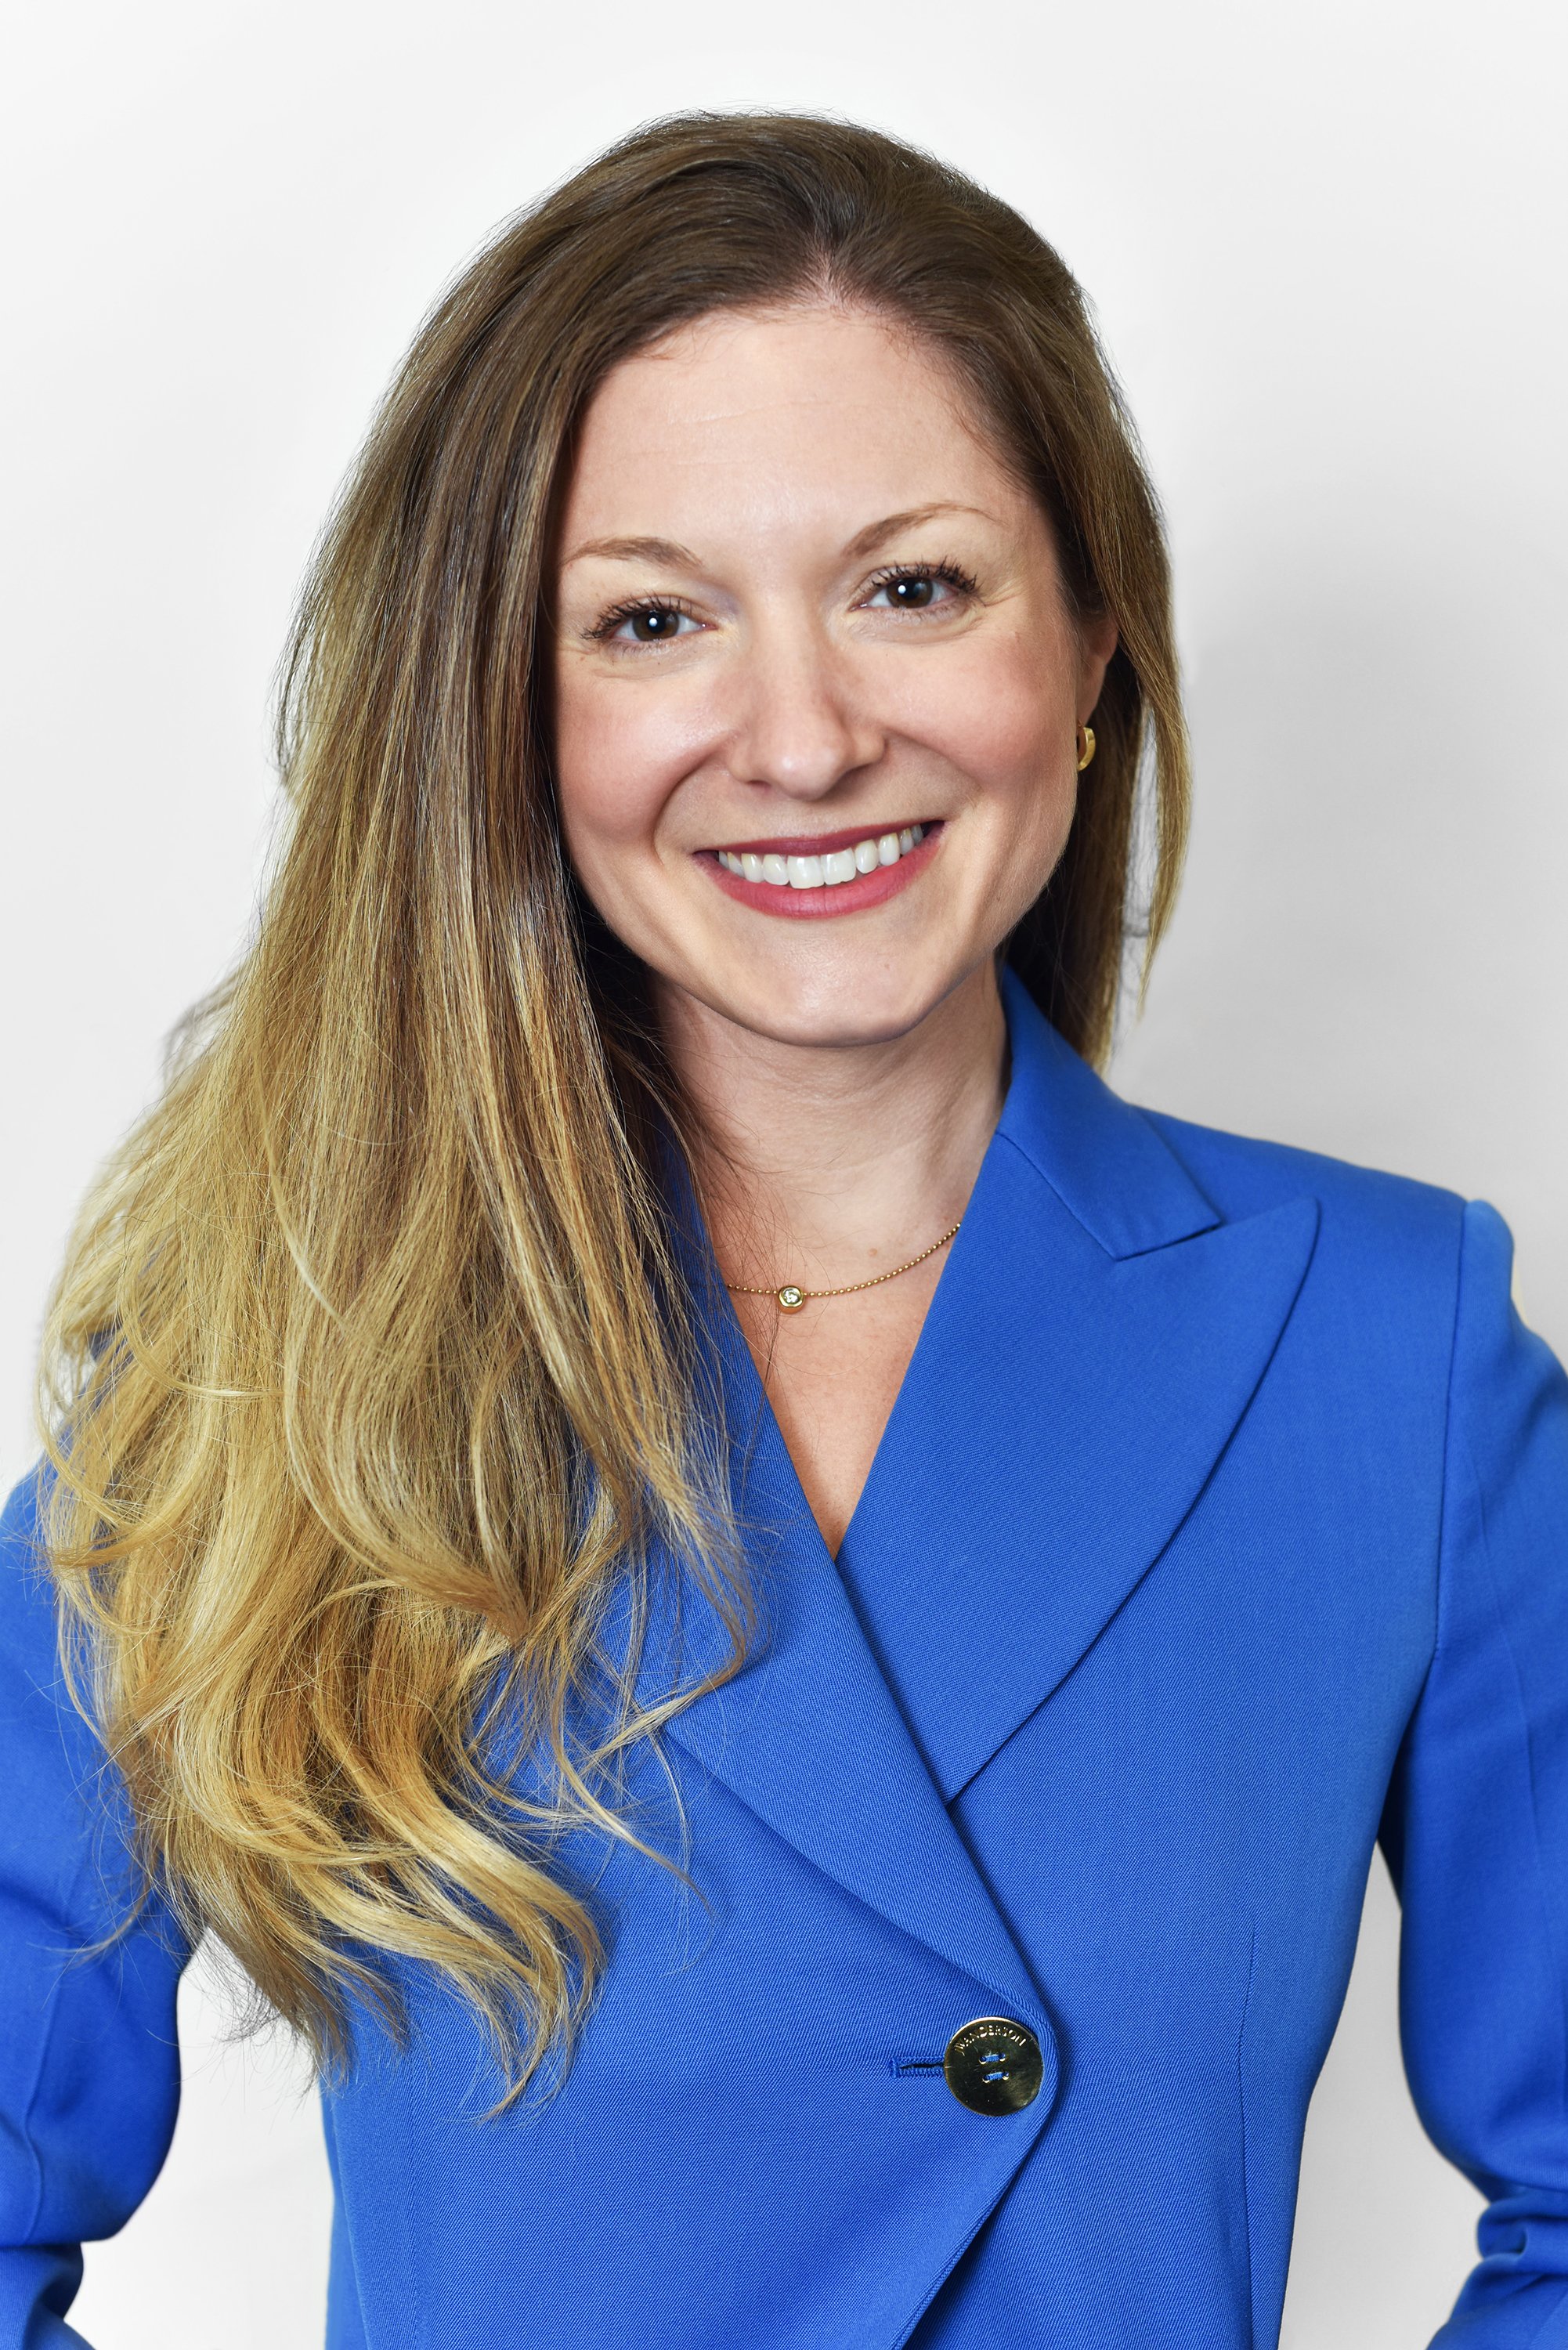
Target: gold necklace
x=791 y=1296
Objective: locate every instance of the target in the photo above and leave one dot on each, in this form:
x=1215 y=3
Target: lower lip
x=819 y=905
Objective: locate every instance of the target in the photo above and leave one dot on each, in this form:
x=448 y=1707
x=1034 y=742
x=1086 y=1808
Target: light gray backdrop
x=1326 y=246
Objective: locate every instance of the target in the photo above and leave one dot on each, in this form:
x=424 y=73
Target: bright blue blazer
x=1220 y=1526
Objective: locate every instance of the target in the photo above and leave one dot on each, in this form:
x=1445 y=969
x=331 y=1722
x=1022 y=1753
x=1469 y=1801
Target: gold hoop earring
x=1086 y=746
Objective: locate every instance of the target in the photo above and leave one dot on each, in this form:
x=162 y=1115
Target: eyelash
x=952 y=575
x=606 y=625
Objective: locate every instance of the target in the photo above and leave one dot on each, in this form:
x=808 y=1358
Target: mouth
x=811 y=876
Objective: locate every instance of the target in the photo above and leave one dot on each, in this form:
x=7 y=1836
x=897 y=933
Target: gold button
x=993 y=2065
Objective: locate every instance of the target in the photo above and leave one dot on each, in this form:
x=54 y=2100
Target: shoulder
x=1393 y=1259
x=1370 y=1218
x=1408 y=1300
x=44 y=1732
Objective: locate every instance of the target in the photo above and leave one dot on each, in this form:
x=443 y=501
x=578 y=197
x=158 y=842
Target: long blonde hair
x=368 y=1381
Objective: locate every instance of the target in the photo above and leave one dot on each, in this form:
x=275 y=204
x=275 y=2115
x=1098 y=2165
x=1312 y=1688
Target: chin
x=840 y=1015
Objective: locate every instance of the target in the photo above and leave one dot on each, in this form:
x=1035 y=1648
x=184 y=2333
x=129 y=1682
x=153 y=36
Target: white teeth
x=830 y=870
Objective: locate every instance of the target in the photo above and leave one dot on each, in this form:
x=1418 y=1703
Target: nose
x=801 y=721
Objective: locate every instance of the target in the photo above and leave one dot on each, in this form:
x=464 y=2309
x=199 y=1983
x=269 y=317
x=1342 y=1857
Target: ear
x=1097 y=641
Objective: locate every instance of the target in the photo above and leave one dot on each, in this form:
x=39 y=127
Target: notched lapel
x=1096 y=1337
x=1061 y=1417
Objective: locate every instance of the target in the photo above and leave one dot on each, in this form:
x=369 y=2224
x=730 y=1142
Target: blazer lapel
x=1096 y=1335
x=809 y=1736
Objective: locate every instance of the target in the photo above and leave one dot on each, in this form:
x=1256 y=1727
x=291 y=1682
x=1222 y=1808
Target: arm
x=1477 y=1826
x=89 y=2067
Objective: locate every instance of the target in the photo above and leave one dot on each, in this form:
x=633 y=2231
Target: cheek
x=618 y=756
x=1003 y=714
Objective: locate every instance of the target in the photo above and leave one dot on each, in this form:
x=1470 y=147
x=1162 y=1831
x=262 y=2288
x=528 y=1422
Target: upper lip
x=821 y=844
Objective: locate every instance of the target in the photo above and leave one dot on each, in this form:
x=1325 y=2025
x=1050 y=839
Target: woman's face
x=816 y=688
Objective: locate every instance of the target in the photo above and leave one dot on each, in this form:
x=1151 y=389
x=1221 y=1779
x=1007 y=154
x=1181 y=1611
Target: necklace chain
x=790 y=1296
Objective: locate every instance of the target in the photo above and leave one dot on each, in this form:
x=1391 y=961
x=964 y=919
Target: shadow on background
x=1369 y=951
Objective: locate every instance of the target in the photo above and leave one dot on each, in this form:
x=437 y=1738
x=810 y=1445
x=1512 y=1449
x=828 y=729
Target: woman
x=779 y=1626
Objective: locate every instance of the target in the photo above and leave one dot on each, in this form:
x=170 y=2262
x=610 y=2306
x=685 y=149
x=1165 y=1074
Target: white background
x=1326 y=247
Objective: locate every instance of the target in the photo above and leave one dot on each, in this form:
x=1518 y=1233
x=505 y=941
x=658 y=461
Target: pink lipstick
x=812 y=876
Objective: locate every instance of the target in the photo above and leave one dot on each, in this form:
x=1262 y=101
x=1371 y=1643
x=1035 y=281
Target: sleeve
x=1477 y=1826
x=89 y=2067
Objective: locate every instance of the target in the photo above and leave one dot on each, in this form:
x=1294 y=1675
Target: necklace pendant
x=790 y=1298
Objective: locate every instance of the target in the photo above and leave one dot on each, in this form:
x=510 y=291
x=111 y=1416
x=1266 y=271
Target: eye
x=654 y=622
x=921 y=587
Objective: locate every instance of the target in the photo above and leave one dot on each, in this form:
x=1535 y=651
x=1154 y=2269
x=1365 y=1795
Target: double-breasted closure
x=1221 y=1524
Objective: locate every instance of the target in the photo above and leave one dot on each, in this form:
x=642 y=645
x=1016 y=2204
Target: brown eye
x=654 y=624
x=642 y=624
x=922 y=587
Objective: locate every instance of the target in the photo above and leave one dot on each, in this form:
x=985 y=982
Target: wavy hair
x=369 y=1383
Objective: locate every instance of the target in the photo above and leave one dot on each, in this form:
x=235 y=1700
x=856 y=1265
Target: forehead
x=794 y=415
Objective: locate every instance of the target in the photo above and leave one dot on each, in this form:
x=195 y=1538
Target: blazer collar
x=1097 y=1333
x=1102 y=1159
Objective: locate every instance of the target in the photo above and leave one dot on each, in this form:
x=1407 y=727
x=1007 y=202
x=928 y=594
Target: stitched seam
x=1242 y=2103
x=1521 y=1713
x=1439 y=1581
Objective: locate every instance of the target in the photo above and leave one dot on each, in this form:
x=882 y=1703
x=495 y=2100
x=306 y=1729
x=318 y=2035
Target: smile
x=828 y=870
x=838 y=873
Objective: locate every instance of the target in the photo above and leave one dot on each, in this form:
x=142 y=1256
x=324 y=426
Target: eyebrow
x=666 y=551
x=672 y=556
x=866 y=541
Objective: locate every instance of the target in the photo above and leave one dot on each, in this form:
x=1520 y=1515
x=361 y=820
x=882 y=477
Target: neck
x=821 y=1163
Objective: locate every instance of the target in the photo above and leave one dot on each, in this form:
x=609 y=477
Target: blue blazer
x=1220 y=1526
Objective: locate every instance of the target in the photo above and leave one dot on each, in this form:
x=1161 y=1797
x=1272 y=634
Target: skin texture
x=788 y=489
